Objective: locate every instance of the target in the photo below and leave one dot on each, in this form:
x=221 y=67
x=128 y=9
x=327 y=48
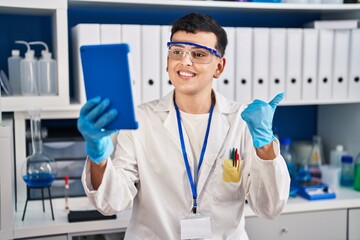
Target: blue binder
x=107 y=74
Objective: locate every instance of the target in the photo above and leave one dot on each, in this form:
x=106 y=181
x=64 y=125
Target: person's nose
x=186 y=59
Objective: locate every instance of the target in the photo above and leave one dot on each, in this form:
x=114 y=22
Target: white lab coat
x=148 y=174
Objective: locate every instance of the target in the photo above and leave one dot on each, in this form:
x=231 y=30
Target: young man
x=179 y=171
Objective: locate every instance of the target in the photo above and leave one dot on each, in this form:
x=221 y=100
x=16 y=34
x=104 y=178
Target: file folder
x=354 y=69
x=340 y=64
x=277 y=60
x=110 y=33
x=334 y=24
x=310 y=64
x=261 y=63
x=326 y=45
x=226 y=82
x=150 y=62
x=166 y=85
x=131 y=34
x=244 y=64
x=82 y=34
x=294 y=64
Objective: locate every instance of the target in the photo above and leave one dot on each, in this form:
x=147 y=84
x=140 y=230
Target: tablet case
x=107 y=74
x=87 y=215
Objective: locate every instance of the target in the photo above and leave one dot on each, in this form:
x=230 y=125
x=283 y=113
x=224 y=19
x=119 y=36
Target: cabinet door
x=354 y=220
x=322 y=225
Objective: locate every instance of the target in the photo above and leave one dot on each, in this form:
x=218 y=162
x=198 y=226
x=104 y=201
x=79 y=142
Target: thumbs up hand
x=259 y=116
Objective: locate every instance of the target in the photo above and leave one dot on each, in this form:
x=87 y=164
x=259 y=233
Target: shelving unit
x=235 y=14
x=57 y=10
x=65 y=14
x=7 y=190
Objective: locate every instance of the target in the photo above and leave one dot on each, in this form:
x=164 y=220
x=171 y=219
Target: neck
x=194 y=104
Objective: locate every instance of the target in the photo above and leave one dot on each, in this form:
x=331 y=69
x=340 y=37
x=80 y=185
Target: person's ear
x=217 y=73
x=220 y=67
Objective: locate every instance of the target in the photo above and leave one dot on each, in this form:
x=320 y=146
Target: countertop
x=37 y=223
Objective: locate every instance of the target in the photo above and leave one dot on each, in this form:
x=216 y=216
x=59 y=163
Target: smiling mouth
x=186 y=74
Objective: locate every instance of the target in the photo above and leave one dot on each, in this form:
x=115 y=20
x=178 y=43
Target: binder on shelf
x=261 y=63
x=294 y=64
x=333 y=24
x=354 y=69
x=150 y=62
x=166 y=85
x=277 y=61
x=244 y=64
x=82 y=34
x=110 y=33
x=131 y=34
x=226 y=82
x=326 y=45
x=310 y=64
x=340 y=63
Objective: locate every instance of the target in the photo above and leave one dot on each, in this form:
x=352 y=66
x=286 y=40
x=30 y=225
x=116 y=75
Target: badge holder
x=195 y=225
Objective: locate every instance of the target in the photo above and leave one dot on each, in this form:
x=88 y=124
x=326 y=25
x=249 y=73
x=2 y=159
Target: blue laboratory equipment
x=39 y=169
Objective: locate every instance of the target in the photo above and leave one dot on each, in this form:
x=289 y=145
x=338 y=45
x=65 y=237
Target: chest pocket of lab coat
x=223 y=190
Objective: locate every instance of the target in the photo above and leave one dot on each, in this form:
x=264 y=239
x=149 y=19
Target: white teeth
x=186 y=74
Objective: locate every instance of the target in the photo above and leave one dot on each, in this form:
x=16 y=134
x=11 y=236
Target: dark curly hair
x=194 y=22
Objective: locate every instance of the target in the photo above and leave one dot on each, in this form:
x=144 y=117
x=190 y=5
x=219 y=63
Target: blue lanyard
x=192 y=184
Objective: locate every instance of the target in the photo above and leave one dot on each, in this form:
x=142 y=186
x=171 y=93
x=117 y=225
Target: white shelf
x=318 y=102
x=219 y=5
x=34 y=6
x=37 y=223
x=57 y=10
x=346 y=198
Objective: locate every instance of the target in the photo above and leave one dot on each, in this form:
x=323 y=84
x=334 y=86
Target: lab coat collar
x=223 y=105
x=217 y=135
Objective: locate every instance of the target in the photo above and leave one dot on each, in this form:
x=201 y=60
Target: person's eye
x=177 y=52
x=199 y=54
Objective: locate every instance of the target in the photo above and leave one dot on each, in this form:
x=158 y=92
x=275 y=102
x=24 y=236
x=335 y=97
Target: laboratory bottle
x=285 y=151
x=28 y=72
x=14 y=71
x=39 y=169
x=357 y=173
x=316 y=157
x=347 y=171
x=47 y=71
x=335 y=156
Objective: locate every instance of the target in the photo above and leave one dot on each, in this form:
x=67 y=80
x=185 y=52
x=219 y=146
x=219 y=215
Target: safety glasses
x=198 y=53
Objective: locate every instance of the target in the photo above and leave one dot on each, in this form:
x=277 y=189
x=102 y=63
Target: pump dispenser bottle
x=14 y=71
x=47 y=71
x=28 y=72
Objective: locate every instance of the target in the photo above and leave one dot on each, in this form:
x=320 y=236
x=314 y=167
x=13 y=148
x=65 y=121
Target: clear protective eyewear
x=198 y=54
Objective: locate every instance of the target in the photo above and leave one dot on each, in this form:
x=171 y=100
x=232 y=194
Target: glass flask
x=39 y=170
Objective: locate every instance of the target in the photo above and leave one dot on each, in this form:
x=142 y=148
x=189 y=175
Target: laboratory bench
x=319 y=219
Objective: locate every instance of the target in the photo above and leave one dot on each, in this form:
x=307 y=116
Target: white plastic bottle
x=47 y=72
x=28 y=72
x=14 y=71
x=335 y=156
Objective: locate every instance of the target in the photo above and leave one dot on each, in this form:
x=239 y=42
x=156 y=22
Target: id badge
x=195 y=226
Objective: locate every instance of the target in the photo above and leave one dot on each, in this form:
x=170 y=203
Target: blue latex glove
x=93 y=118
x=259 y=116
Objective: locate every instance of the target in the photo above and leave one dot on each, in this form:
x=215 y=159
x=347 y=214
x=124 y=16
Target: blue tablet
x=107 y=74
